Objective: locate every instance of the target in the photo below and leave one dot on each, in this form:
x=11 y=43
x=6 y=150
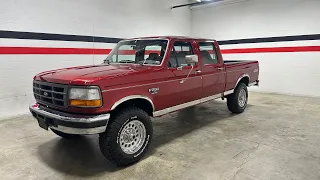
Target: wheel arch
x=244 y=78
x=140 y=101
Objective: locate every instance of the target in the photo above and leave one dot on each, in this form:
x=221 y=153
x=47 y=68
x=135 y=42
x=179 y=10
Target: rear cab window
x=208 y=53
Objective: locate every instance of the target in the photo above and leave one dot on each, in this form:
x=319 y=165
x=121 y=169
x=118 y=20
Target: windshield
x=138 y=52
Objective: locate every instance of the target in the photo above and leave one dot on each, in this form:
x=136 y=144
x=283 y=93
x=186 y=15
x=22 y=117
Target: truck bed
x=235 y=70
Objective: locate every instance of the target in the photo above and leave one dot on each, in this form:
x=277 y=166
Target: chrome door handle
x=220 y=68
x=197 y=72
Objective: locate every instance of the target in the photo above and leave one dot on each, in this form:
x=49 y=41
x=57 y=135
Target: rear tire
x=127 y=136
x=65 y=135
x=237 y=102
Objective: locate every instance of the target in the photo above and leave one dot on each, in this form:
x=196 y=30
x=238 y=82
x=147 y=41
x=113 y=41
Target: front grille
x=50 y=94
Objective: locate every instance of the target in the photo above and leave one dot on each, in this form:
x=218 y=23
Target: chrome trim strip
x=107 y=90
x=175 y=108
x=184 y=105
x=191 y=103
x=178 y=80
x=209 y=98
x=228 y=92
x=132 y=97
x=70 y=130
x=242 y=76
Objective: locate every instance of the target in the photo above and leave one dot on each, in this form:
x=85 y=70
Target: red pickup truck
x=139 y=79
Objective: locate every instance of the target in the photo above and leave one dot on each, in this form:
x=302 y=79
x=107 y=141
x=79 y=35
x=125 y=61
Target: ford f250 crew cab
x=140 y=78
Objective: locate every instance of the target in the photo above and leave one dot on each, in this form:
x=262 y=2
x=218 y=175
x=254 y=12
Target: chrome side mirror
x=191 y=58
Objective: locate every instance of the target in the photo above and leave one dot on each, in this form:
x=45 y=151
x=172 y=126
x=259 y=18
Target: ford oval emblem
x=45 y=94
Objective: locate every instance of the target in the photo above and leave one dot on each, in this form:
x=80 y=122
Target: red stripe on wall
x=46 y=50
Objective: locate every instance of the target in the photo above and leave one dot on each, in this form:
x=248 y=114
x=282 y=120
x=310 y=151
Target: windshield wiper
x=141 y=63
x=126 y=61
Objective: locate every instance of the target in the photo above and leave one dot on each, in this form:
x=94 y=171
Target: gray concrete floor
x=277 y=137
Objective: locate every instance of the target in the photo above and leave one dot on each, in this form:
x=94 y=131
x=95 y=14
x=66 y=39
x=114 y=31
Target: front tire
x=237 y=102
x=127 y=137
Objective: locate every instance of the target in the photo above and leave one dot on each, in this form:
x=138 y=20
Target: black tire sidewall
x=146 y=141
x=237 y=93
x=110 y=137
x=233 y=102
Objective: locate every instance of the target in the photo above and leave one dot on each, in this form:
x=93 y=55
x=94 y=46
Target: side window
x=208 y=53
x=178 y=54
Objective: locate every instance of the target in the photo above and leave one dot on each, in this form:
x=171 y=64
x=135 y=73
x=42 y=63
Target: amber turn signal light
x=85 y=103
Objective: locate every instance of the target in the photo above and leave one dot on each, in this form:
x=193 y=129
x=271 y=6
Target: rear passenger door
x=213 y=73
x=184 y=89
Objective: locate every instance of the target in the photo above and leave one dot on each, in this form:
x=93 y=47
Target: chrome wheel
x=132 y=137
x=242 y=98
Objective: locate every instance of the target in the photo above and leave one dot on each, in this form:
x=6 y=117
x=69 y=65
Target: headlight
x=85 y=97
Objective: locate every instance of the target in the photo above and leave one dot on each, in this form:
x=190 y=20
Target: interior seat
x=207 y=59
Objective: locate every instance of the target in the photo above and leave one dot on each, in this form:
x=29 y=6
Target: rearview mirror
x=191 y=58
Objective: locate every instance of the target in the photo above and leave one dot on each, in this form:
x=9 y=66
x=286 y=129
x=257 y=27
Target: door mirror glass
x=191 y=59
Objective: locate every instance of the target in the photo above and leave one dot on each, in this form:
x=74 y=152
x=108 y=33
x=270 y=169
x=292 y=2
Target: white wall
x=111 y=18
x=290 y=73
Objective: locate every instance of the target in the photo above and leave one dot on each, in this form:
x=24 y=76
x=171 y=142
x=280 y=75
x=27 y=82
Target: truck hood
x=87 y=75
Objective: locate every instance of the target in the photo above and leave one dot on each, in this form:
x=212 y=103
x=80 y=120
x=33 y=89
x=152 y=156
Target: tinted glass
x=178 y=53
x=208 y=53
x=138 y=51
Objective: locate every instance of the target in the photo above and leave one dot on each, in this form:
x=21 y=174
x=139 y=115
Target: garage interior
x=277 y=137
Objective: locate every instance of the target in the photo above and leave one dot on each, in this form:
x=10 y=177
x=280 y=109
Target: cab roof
x=174 y=38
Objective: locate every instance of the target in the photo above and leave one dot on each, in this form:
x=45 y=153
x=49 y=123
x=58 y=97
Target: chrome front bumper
x=69 y=123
